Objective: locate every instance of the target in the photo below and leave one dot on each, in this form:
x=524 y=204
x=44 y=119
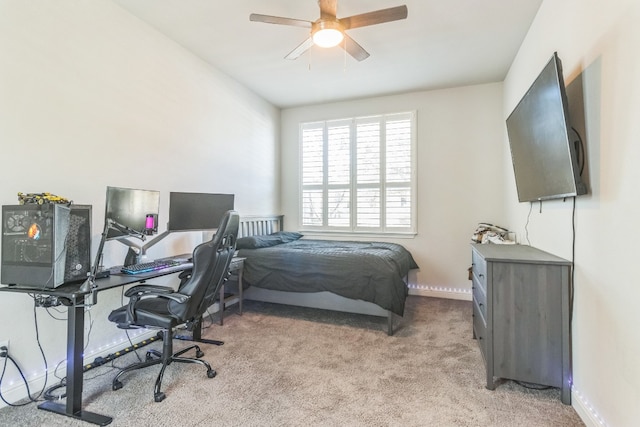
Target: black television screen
x=197 y=211
x=544 y=151
x=132 y=209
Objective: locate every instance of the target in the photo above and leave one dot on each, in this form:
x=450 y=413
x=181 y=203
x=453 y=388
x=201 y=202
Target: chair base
x=196 y=336
x=165 y=358
x=202 y=340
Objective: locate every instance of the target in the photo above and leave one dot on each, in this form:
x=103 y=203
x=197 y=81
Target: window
x=358 y=175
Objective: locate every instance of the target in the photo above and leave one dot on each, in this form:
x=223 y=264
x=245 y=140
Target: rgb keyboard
x=145 y=267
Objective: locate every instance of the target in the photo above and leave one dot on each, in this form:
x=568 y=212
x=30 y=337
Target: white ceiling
x=442 y=43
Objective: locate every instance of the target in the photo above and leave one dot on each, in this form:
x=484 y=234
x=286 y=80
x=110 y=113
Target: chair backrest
x=210 y=269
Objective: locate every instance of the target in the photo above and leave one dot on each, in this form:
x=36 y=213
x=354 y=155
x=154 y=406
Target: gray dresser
x=521 y=304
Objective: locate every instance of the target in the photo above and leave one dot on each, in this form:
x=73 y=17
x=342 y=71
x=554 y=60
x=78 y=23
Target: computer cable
x=98 y=361
x=526 y=225
x=86 y=343
x=532 y=386
x=48 y=394
x=211 y=320
x=4 y=353
x=55 y=370
x=48 y=309
x=44 y=357
x=580 y=151
x=573 y=263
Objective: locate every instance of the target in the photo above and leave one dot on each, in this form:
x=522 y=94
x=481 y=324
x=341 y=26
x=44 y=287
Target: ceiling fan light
x=327 y=33
x=328 y=37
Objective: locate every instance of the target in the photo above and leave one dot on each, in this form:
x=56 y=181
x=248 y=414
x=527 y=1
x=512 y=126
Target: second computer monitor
x=197 y=211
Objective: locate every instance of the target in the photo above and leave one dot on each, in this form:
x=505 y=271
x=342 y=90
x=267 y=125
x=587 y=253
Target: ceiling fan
x=329 y=31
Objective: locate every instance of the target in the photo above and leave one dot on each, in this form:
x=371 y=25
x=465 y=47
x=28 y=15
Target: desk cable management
x=4 y=353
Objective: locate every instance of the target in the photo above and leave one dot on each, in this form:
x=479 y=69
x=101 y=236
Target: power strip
x=50 y=301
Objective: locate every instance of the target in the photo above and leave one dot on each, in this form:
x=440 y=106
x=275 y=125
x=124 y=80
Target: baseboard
x=585 y=411
x=441 y=292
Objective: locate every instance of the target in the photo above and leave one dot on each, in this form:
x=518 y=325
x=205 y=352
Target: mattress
x=368 y=271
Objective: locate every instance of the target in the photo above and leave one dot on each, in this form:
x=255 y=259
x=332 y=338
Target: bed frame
x=260 y=225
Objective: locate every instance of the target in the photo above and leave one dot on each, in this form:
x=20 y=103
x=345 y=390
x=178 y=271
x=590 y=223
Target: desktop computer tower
x=78 y=259
x=45 y=245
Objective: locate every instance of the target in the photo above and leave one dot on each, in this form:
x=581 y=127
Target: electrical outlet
x=4 y=344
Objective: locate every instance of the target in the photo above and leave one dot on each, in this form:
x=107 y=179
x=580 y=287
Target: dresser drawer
x=480 y=297
x=480 y=330
x=479 y=268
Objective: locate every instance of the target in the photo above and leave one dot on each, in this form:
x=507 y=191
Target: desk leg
x=221 y=309
x=240 y=290
x=240 y=297
x=75 y=370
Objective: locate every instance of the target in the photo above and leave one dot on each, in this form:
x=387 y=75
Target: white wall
x=90 y=97
x=598 y=43
x=460 y=137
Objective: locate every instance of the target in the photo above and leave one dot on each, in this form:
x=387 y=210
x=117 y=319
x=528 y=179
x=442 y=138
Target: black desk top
x=72 y=290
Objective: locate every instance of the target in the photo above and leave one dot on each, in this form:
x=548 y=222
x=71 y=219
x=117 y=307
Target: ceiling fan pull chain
x=344 y=55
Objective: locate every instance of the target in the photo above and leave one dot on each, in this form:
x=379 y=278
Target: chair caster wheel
x=117 y=385
x=199 y=354
x=159 y=397
x=211 y=373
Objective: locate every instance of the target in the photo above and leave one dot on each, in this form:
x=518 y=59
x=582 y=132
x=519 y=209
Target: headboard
x=260 y=225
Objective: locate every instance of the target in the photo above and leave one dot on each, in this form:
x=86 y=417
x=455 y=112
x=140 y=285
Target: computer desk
x=75 y=300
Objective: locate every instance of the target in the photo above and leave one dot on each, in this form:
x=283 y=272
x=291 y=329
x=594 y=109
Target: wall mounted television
x=197 y=211
x=545 y=149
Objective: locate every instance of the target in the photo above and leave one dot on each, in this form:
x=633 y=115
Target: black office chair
x=164 y=308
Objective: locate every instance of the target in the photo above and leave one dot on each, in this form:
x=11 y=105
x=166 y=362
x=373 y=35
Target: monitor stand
x=131 y=258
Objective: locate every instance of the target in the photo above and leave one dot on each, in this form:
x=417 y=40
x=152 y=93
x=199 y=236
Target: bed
x=356 y=277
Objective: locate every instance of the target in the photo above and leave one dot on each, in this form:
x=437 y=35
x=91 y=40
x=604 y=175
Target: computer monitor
x=132 y=211
x=197 y=211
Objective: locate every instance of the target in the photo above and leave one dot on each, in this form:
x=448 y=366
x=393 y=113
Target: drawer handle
x=481 y=275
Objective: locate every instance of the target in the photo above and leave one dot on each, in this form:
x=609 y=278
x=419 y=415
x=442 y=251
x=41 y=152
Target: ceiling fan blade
x=256 y=17
x=328 y=9
x=376 y=17
x=302 y=48
x=353 y=48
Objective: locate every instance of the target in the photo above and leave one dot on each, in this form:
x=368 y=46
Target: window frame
x=384 y=184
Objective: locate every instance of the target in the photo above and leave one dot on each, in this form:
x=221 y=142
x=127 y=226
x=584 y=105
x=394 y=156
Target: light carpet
x=290 y=366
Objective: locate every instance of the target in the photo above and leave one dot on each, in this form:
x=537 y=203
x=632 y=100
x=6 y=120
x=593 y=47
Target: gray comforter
x=369 y=271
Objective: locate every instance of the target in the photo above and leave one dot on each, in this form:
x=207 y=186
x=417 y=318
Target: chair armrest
x=148 y=289
x=136 y=293
x=184 y=277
